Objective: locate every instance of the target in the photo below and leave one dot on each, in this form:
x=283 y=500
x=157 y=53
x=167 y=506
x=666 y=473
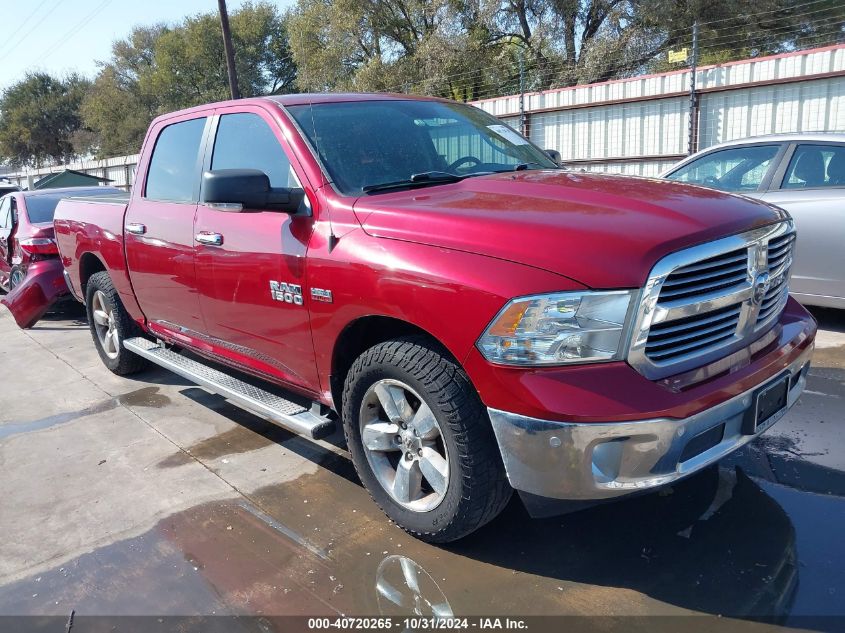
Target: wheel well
x=88 y=265
x=362 y=334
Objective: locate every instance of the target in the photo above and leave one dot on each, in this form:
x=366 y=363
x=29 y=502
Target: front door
x=813 y=191
x=251 y=264
x=159 y=228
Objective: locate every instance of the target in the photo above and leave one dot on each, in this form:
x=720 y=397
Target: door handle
x=211 y=239
x=136 y=228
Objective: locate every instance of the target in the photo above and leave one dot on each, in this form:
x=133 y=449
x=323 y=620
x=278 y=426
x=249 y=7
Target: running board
x=290 y=415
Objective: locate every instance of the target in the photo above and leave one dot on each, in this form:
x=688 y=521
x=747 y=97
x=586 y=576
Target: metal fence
x=642 y=125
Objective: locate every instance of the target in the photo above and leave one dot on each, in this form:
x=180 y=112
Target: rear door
x=159 y=226
x=251 y=282
x=811 y=186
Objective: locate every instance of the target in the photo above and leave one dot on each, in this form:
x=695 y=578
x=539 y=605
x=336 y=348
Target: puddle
x=146 y=397
x=720 y=543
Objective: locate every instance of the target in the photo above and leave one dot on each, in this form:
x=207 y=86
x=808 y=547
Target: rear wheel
x=421 y=440
x=16 y=277
x=110 y=325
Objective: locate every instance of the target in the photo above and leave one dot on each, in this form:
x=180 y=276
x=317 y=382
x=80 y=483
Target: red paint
x=43 y=285
x=682 y=71
x=444 y=259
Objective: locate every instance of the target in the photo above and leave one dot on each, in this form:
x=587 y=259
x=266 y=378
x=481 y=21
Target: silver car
x=804 y=174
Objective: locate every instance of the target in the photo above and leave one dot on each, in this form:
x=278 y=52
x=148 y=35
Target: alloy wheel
x=105 y=324
x=404 y=445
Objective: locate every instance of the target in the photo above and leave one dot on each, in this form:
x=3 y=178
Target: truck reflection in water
x=404 y=588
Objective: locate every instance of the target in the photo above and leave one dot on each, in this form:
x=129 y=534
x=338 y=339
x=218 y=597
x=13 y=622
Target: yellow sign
x=678 y=56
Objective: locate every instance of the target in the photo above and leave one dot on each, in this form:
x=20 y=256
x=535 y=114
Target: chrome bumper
x=591 y=461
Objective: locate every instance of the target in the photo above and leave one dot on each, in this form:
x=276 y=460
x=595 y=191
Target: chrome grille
x=710 y=300
x=714 y=274
x=683 y=336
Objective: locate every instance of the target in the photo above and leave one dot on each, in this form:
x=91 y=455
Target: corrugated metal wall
x=120 y=170
x=641 y=125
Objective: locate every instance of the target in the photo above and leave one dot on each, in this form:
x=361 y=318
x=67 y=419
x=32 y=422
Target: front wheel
x=421 y=440
x=110 y=325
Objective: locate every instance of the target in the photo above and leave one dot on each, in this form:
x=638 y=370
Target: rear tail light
x=39 y=246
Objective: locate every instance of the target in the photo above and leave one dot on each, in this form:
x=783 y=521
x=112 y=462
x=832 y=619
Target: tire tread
x=486 y=490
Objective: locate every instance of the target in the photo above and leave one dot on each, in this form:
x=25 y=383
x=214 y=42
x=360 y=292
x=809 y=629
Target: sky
x=61 y=36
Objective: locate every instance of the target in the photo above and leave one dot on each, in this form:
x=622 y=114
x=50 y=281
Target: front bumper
x=595 y=460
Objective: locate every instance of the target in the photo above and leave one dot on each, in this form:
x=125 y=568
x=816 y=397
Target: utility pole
x=230 y=51
x=522 y=122
x=692 y=141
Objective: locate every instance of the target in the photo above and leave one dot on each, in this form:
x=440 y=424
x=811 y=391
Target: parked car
x=7 y=187
x=804 y=174
x=30 y=270
x=477 y=319
x=26 y=228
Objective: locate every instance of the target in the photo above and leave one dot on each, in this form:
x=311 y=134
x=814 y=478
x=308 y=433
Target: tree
x=40 y=119
x=471 y=48
x=158 y=69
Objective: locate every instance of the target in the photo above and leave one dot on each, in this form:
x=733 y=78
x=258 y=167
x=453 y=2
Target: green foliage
x=470 y=48
x=159 y=69
x=40 y=119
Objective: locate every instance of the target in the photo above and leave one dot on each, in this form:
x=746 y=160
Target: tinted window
x=245 y=141
x=734 y=169
x=374 y=142
x=816 y=166
x=173 y=168
x=41 y=208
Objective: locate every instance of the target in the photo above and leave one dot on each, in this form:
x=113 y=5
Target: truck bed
x=89 y=234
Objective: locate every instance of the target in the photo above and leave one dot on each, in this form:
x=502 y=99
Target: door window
x=6 y=213
x=816 y=166
x=245 y=141
x=173 y=174
x=734 y=169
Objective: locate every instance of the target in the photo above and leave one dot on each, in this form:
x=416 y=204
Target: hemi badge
x=319 y=294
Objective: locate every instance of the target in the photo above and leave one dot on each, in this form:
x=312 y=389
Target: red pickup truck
x=477 y=318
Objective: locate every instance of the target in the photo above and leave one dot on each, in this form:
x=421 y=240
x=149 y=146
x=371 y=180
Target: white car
x=802 y=173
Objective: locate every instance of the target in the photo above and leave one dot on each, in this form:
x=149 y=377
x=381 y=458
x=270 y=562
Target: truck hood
x=601 y=231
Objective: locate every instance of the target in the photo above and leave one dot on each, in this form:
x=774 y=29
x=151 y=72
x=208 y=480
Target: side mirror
x=240 y=190
x=554 y=155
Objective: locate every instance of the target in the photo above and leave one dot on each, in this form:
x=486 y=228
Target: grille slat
x=713 y=262
x=725 y=327
x=685 y=324
x=680 y=349
x=703 y=288
x=676 y=280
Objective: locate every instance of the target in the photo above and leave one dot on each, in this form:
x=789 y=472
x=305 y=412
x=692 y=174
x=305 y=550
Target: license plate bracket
x=768 y=405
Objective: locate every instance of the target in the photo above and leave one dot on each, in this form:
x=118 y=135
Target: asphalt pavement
x=149 y=496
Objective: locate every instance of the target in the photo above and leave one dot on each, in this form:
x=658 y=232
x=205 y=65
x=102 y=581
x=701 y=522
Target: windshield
x=363 y=144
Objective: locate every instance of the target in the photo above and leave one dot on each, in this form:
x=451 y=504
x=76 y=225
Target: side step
x=287 y=414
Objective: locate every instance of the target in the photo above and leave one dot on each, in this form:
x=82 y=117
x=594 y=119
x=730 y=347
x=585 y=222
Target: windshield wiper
x=422 y=178
x=524 y=166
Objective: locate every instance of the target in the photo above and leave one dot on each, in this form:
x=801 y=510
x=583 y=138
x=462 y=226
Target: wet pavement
x=148 y=496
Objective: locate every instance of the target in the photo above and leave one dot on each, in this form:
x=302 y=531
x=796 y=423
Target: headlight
x=558 y=328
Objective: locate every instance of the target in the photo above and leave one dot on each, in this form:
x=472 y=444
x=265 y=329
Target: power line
x=74 y=30
x=14 y=41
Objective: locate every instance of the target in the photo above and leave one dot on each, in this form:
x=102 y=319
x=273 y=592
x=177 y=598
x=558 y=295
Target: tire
x=474 y=488
x=101 y=297
x=16 y=276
